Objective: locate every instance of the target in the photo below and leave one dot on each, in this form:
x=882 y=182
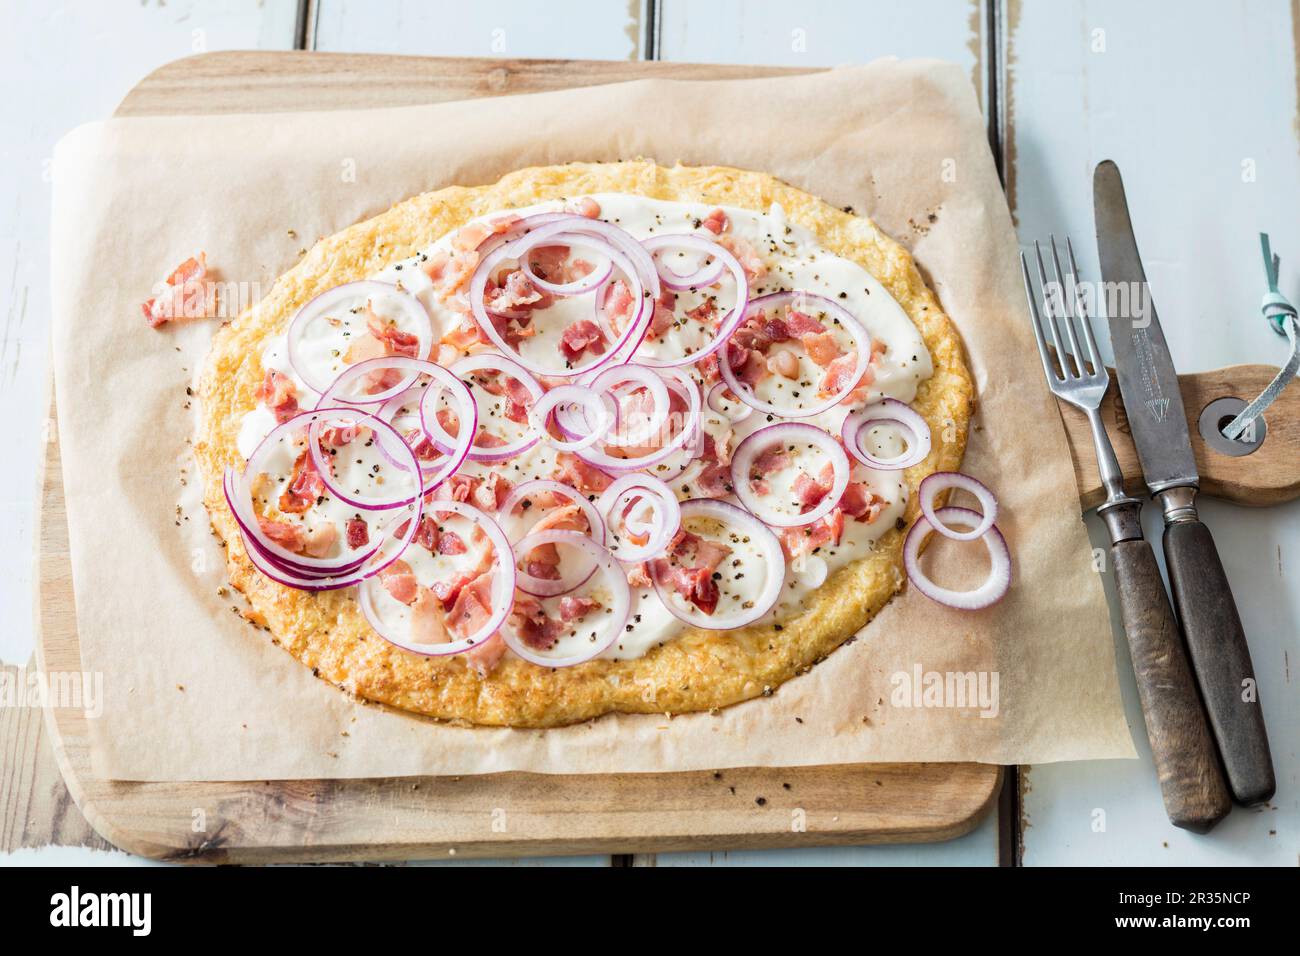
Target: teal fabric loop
x=1282 y=315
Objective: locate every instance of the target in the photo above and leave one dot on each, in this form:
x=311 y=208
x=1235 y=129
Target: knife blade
x=1202 y=595
x=1147 y=379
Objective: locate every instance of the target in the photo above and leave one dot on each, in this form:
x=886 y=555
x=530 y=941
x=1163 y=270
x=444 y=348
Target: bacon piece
x=518 y=401
x=716 y=222
x=451 y=272
x=586 y=206
x=618 y=303
x=486 y=655
x=399 y=580
x=358 y=533
x=449 y=542
x=564 y=518
x=809 y=491
x=774 y=458
x=286 y=534
x=859 y=393
x=448 y=592
x=664 y=314
x=491 y=491
x=840 y=373
x=464 y=335
x=184 y=295
x=800 y=324
x=822 y=348
x=364 y=348
x=862 y=504
x=806 y=539
x=754 y=370
x=580 y=336
x=472 y=608
x=427 y=625
x=749 y=259
x=305 y=486
x=534 y=626
x=714 y=481
x=572 y=608
x=517 y=293
x=395 y=341
x=638 y=576
x=426 y=535
x=278 y=393
x=572 y=470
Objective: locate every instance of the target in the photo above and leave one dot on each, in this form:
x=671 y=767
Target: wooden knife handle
x=1221 y=659
x=1268 y=476
x=1196 y=798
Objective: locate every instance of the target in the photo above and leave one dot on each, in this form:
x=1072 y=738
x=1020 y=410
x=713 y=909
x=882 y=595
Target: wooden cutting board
x=430 y=817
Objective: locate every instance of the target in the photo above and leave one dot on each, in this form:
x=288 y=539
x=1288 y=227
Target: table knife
x=1202 y=596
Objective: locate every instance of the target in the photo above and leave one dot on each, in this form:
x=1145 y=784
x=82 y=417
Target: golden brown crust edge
x=701 y=670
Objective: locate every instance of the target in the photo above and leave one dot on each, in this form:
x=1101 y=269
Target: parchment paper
x=191 y=692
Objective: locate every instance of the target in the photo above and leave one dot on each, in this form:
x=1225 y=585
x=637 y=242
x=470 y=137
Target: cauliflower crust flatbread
x=701 y=669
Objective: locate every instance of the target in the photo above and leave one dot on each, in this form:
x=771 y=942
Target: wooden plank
x=824 y=32
x=1200 y=111
x=586 y=29
x=338 y=819
x=229 y=82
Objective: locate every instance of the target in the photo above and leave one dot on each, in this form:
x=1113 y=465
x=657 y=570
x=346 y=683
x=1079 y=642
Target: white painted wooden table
x=1196 y=100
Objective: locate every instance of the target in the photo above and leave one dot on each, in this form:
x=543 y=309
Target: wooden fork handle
x=1268 y=476
x=1191 y=782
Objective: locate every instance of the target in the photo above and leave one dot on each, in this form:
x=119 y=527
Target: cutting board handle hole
x=1216 y=416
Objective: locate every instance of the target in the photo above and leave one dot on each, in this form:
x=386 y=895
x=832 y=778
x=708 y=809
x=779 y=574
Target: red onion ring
x=888 y=411
x=390 y=444
x=503 y=587
x=773 y=559
x=788 y=433
x=665 y=521
x=331 y=298
x=732 y=320
x=861 y=340
x=701 y=278
x=615 y=615
x=680 y=382
x=537 y=486
x=717 y=402
x=620 y=244
x=571 y=395
x=987 y=594
x=265 y=554
x=580 y=286
x=933 y=484
x=512 y=369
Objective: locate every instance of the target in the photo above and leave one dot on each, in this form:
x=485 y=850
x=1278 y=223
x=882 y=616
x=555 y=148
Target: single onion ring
x=995 y=586
x=577 y=395
x=784 y=433
x=527 y=489
x=666 y=520
x=728 y=324
x=616 y=615
x=503 y=587
x=701 y=278
x=716 y=399
x=317 y=307
x=846 y=320
x=509 y=367
x=940 y=481
x=888 y=411
x=773 y=559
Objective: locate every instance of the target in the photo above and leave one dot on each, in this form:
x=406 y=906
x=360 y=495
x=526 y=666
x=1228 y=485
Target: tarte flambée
x=729 y=353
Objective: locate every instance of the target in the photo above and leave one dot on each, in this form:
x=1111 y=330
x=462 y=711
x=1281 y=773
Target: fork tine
x=1069 y=302
x=1066 y=375
x=1094 y=354
x=1048 y=368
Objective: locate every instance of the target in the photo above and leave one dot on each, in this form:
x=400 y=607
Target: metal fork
x=1195 y=794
